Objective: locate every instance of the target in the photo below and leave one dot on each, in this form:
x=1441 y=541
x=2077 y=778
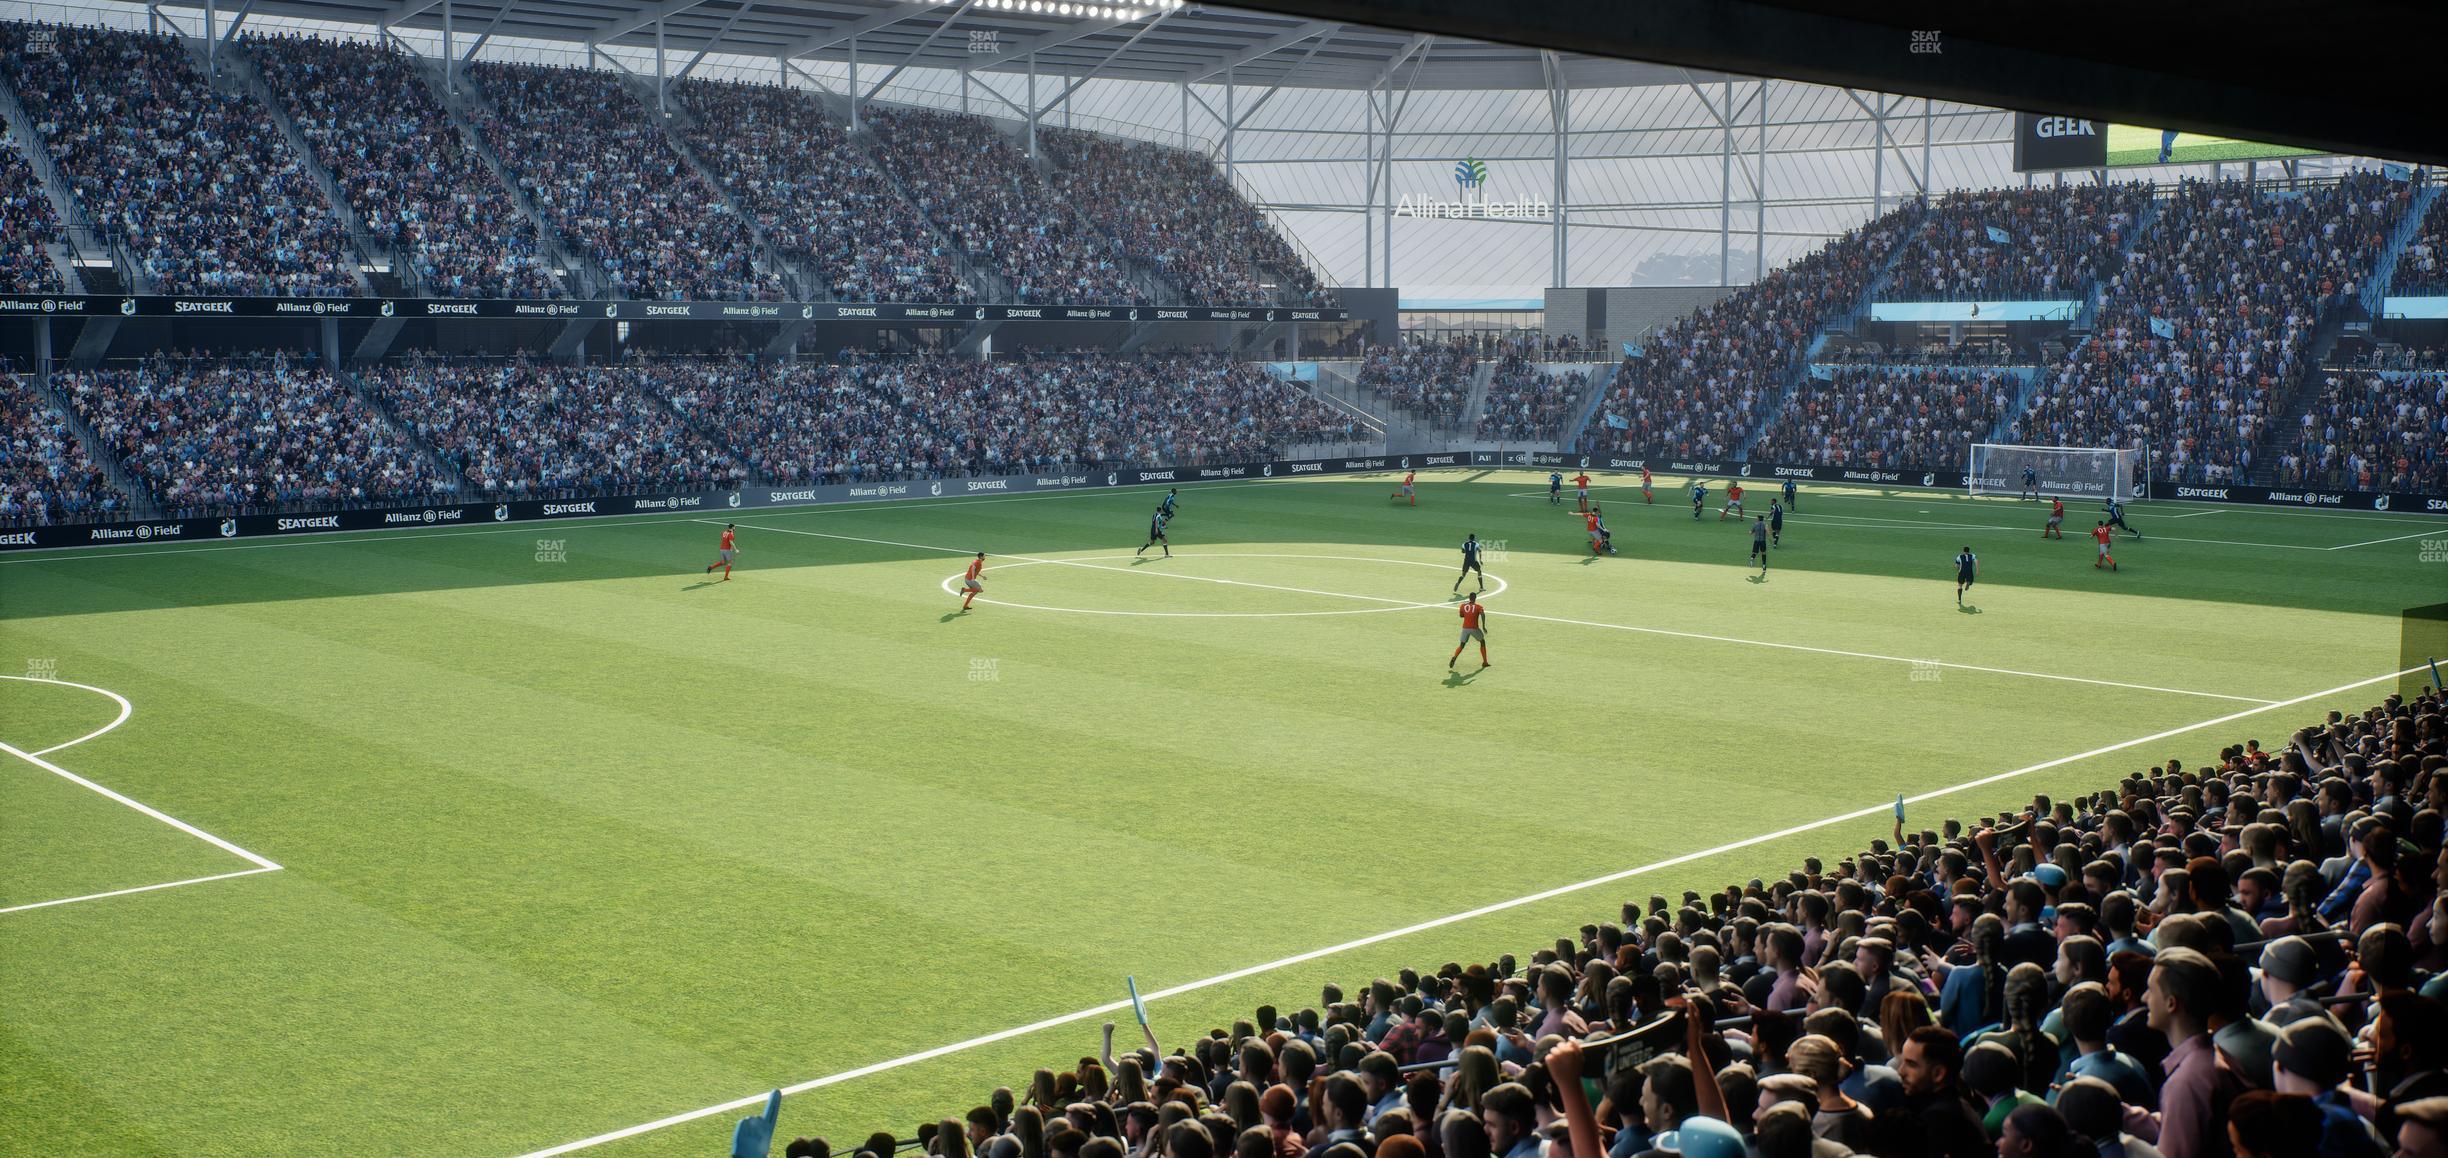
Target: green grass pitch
x=573 y=840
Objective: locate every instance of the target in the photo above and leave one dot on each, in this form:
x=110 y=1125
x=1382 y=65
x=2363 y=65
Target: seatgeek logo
x=2201 y=492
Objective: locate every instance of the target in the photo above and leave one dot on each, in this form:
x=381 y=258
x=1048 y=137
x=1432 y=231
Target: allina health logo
x=1471 y=200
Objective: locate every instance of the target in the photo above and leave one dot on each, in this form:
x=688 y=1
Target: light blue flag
x=1823 y=373
x=1138 y=1007
x=1633 y=350
x=1999 y=236
x=1899 y=808
x=754 y=1137
x=2396 y=172
x=1616 y=421
x=2163 y=327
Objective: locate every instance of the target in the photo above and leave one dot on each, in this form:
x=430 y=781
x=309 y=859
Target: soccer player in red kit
x=1406 y=492
x=1596 y=533
x=726 y=553
x=2056 y=520
x=1581 y=488
x=969 y=583
x=2101 y=534
x=1645 y=495
x=1733 y=505
x=1474 y=626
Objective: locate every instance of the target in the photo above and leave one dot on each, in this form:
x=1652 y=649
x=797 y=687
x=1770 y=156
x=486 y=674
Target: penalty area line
x=758 y=1098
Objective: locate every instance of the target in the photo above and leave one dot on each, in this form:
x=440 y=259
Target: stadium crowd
x=1169 y=208
x=809 y=422
x=200 y=183
x=987 y=197
x=1887 y=416
x=1044 y=413
x=2371 y=431
x=45 y=476
x=228 y=435
x=2423 y=267
x=400 y=163
x=608 y=181
x=2049 y=243
x=27 y=224
x=1430 y=382
x=817 y=196
x=525 y=429
x=1699 y=388
x=2241 y=958
x=1525 y=403
x=2202 y=331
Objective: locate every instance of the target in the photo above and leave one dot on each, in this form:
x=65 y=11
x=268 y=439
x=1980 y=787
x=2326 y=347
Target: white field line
x=126 y=709
x=1832 y=520
x=139 y=889
x=530 y=526
x=1554 y=619
x=2153 y=510
x=2441 y=533
x=759 y=1097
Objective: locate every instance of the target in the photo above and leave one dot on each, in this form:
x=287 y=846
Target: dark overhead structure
x=2348 y=76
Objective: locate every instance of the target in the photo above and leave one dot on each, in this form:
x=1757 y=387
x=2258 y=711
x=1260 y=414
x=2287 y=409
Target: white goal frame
x=2074 y=473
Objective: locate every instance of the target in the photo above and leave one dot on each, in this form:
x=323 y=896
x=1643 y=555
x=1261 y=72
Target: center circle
x=951 y=580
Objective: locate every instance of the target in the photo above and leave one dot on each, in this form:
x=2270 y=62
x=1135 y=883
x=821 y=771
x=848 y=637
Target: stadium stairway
x=1339 y=384
x=397 y=277
x=2093 y=294
x=1155 y=285
x=988 y=285
x=576 y=272
x=2384 y=272
x=1602 y=380
x=1844 y=321
x=141 y=502
x=2285 y=434
x=402 y=430
x=101 y=267
x=1476 y=400
x=678 y=125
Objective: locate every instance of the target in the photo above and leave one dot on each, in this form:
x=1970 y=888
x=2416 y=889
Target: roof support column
x=1759 y=189
x=1368 y=211
x=1559 y=98
x=1032 y=109
x=1927 y=123
x=1725 y=188
x=662 y=104
x=1231 y=126
x=1185 y=114
x=854 y=85
x=1878 y=155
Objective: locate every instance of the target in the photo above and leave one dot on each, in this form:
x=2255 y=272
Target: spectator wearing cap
x=2092 y=1109
x=2314 y=1058
x=2289 y=965
x=2183 y=995
x=2422 y=1129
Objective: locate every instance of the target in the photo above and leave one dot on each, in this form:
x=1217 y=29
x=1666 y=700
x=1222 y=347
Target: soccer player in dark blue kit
x=1759 y=541
x=1470 y=559
x=1156 y=534
x=1699 y=499
x=1776 y=520
x=2031 y=484
x=1172 y=496
x=1790 y=504
x=1967 y=569
x=2116 y=515
x=1555 y=488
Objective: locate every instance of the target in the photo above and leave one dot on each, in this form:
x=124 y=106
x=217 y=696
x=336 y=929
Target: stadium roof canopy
x=1151 y=40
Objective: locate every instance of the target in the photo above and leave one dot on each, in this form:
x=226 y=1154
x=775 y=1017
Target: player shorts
x=1582 y=492
x=972 y=585
x=1406 y=488
x=1597 y=536
x=1759 y=548
x=1963 y=578
x=2056 y=520
x=2103 y=550
x=1471 y=633
x=1470 y=565
x=726 y=554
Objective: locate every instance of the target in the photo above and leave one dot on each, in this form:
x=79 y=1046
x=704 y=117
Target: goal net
x=2060 y=472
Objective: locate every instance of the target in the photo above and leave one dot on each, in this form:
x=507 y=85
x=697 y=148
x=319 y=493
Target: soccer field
x=570 y=839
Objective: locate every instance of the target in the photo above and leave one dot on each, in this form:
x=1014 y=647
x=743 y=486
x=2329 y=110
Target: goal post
x=2059 y=472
